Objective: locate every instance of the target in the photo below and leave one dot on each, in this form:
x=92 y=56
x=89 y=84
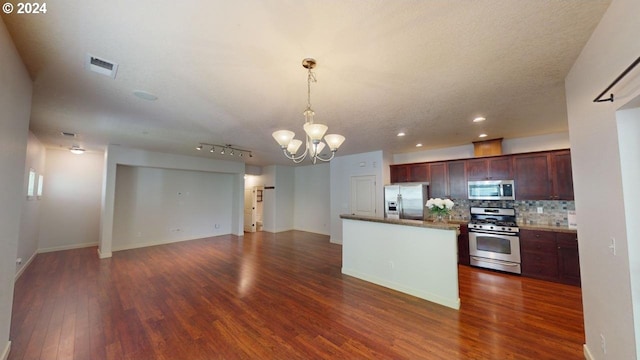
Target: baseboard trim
x=66 y=247
x=25 y=266
x=102 y=255
x=587 y=353
x=7 y=349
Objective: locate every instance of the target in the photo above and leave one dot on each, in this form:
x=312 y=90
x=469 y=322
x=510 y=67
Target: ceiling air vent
x=101 y=66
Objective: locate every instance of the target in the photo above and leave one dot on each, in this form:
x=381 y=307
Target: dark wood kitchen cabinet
x=495 y=168
x=549 y=255
x=561 y=175
x=438 y=180
x=463 y=246
x=448 y=180
x=399 y=173
x=544 y=176
x=409 y=173
x=538 y=254
x=531 y=175
x=419 y=172
x=457 y=179
x=568 y=259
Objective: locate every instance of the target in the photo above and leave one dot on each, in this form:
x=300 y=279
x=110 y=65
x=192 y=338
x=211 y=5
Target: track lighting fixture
x=225 y=149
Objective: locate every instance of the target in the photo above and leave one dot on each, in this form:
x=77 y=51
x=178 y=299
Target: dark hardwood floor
x=274 y=296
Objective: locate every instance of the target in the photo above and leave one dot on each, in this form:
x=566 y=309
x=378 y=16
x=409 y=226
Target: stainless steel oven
x=494 y=240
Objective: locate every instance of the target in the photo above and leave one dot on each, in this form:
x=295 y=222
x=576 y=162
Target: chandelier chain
x=310 y=77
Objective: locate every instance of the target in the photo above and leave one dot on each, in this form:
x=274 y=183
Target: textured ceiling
x=229 y=72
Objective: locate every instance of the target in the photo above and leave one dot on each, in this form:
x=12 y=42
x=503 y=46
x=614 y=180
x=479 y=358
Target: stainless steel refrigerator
x=405 y=201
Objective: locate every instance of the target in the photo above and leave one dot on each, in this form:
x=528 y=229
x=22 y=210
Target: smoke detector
x=101 y=66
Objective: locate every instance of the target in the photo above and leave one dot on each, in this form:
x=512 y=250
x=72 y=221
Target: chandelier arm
x=333 y=154
x=296 y=159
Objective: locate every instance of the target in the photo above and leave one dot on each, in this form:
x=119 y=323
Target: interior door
x=363 y=195
x=249 y=210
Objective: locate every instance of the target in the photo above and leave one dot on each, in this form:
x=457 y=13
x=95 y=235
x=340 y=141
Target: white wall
x=342 y=169
x=509 y=146
x=606 y=289
x=285 y=190
x=157 y=206
x=15 y=110
x=117 y=155
x=70 y=210
x=30 y=218
x=312 y=200
x=628 y=135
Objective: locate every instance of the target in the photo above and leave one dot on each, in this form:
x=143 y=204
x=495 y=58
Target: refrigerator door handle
x=400 y=206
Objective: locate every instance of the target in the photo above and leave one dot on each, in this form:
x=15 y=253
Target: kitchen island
x=411 y=256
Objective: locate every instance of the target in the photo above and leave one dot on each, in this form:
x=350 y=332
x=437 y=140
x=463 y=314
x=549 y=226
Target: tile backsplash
x=554 y=212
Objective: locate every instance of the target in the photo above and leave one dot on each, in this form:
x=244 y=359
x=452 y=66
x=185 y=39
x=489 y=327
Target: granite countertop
x=539 y=227
x=553 y=228
x=451 y=225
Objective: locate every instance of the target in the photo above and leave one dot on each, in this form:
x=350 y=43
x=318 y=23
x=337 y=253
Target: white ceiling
x=229 y=72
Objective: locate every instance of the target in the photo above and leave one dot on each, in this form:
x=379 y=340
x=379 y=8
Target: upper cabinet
x=561 y=175
x=448 y=180
x=399 y=173
x=409 y=173
x=457 y=179
x=532 y=180
x=544 y=175
x=494 y=168
x=438 y=180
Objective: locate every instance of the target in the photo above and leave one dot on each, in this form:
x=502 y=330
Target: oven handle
x=490 y=232
x=494 y=261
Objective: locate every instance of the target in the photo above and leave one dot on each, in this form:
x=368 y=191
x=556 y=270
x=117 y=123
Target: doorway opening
x=253 y=208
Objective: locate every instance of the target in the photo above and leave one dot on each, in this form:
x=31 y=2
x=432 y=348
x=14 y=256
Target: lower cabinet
x=463 y=246
x=550 y=256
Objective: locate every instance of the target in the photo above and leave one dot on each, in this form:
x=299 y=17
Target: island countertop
x=417 y=223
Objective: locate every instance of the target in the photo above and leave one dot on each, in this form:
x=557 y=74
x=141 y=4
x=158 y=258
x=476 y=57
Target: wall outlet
x=217 y=226
x=19 y=261
x=540 y=210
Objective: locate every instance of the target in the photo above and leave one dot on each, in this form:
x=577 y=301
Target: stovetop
x=493 y=220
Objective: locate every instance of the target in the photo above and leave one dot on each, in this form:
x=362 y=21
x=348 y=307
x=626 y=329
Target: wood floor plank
x=275 y=296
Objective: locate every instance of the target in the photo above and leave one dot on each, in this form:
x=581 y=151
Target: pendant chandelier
x=315 y=133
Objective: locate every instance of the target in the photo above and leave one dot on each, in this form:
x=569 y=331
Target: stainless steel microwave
x=492 y=190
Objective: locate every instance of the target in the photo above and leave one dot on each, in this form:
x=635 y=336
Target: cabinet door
x=477 y=169
x=457 y=179
x=500 y=168
x=532 y=181
x=538 y=254
x=463 y=246
x=419 y=172
x=399 y=173
x=561 y=175
x=437 y=180
x=568 y=259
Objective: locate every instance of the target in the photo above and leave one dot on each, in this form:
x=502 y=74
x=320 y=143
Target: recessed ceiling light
x=418 y=145
x=479 y=118
x=401 y=134
x=482 y=135
x=75 y=149
x=145 y=95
